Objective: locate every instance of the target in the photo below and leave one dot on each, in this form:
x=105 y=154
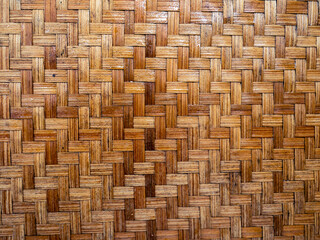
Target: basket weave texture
x=159 y=119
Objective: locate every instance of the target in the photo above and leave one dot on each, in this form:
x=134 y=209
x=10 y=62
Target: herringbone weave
x=159 y=119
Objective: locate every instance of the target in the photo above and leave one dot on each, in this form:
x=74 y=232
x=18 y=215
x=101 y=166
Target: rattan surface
x=155 y=119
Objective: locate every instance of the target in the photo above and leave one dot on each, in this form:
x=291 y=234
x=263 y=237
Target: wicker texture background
x=156 y=119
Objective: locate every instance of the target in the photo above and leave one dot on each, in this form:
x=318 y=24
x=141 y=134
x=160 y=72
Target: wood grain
x=159 y=119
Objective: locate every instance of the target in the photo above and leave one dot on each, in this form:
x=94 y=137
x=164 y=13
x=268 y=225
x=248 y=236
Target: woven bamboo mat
x=159 y=119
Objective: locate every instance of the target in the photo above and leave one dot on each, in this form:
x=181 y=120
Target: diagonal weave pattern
x=156 y=119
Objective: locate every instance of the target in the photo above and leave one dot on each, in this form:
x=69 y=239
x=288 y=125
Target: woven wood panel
x=156 y=119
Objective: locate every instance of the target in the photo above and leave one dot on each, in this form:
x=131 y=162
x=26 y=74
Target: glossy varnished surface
x=155 y=119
